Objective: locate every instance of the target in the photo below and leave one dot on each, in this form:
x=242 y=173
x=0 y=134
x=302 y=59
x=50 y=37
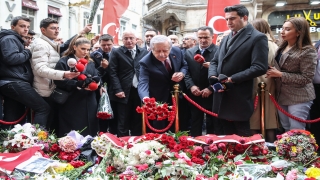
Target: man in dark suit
x=159 y=71
x=241 y=56
x=124 y=74
x=150 y=33
x=101 y=60
x=196 y=81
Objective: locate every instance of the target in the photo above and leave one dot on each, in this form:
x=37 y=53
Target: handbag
x=59 y=96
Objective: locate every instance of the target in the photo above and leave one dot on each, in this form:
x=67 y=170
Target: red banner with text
x=112 y=11
x=215 y=15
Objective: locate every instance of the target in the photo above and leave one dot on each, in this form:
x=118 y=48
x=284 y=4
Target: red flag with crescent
x=215 y=15
x=112 y=11
x=8 y=161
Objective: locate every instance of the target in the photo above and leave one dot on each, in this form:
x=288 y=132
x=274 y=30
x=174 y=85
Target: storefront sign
x=10 y=8
x=277 y=18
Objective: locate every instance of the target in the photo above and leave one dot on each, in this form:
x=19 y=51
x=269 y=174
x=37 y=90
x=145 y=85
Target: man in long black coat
x=196 y=81
x=124 y=74
x=242 y=56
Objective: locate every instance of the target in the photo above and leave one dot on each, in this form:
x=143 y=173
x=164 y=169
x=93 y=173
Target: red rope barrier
x=169 y=125
x=198 y=106
x=256 y=100
x=17 y=121
x=290 y=115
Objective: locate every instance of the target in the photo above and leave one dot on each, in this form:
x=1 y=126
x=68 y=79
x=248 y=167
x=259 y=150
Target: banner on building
x=215 y=15
x=112 y=11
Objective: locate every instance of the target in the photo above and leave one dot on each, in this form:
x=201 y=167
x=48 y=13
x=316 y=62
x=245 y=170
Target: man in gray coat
x=242 y=56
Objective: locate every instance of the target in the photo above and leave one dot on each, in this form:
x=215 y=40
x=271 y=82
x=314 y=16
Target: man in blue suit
x=160 y=69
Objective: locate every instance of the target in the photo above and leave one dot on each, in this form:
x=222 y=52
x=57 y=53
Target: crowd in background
x=226 y=82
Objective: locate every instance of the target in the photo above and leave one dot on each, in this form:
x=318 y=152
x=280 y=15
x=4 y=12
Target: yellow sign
x=308 y=17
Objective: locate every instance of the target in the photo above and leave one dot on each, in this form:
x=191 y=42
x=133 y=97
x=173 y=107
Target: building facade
x=185 y=16
x=71 y=18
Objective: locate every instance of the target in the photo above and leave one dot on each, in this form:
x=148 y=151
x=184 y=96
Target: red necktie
x=234 y=33
x=167 y=65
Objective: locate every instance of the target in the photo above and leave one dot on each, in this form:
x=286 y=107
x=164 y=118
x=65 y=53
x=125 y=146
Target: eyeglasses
x=55 y=28
x=186 y=39
x=29 y=38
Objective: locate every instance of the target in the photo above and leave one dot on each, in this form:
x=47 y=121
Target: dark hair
x=263 y=26
x=239 y=8
x=204 y=28
x=31 y=32
x=152 y=30
x=15 y=20
x=105 y=37
x=301 y=25
x=76 y=41
x=46 y=22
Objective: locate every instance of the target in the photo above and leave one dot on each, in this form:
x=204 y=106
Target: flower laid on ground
x=297 y=145
x=25 y=136
x=155 y=110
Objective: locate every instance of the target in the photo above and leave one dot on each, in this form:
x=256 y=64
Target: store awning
x=30 y=4
x=54 y=11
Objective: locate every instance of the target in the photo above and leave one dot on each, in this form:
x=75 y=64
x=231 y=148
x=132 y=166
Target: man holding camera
x=241 y=56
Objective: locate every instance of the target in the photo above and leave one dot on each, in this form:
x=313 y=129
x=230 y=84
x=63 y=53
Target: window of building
x=85 y=18
x=134 y=27
x=54 y=13
x=52 y=16
x=30 y=13
x=99 y=23
x=123 y=25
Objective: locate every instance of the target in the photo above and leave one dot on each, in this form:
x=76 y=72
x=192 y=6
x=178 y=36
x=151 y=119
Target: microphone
x=221 y=83
x=72 y=63
x=83 y=61
x=97 y=55
x=213 y=80
x=96 y=79
x=79 y=67
x=199 y=58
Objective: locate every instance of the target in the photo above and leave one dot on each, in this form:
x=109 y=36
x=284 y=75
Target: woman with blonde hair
x=295 y=64
x=79 y=111
x=271 y=115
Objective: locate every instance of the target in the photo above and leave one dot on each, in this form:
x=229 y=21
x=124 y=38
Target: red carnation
x=198 y=150
x=183 y=139
x=139 y=109
x=77 y=164
x=55 y=148
x=110 y=169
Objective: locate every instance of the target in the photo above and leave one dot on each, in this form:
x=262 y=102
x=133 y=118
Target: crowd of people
x=225 y=83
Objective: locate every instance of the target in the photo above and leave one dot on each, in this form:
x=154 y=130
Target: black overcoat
x=80 y=109
x=246 y=59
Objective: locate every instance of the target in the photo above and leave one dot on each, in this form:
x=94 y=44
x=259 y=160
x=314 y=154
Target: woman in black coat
x=79 y=111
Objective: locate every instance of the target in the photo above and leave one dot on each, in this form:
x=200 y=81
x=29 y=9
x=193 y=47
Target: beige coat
x=271 y=116
x=298 y=69
x=45 y=55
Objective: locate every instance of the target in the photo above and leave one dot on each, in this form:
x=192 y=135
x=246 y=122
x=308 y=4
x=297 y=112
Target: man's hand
x=206 y=93
x=206 y=64
x=102 y=90
x=120 y=95
x=195 y=90
x=95 y=39
x=70 y=75
x=86 y=29
x=104 y=63
x=177 y=77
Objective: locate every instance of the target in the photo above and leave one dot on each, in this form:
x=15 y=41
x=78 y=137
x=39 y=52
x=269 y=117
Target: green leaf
x=275 y=159
x=237 y=158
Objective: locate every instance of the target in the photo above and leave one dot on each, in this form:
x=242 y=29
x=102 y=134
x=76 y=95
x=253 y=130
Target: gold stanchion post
x=176 y=95
x=144 y=131
x=262 y=87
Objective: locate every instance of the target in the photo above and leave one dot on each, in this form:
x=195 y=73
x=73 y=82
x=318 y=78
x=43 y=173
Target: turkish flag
x=8 y=161
x=215 y=15
x=112 y=11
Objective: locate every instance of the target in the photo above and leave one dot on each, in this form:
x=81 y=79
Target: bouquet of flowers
x=155 y=110
x=104 y=109
x=25 y=136
x=297 y=145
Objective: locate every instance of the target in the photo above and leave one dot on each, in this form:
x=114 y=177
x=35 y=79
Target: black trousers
x=240 y=128
x=128 y=118
x=315 y=113
x=53 y=118
x=197 y=117
x=17 y=96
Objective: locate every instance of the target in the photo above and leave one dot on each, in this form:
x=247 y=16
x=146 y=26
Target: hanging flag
x=215 y=15
x=112 y=11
